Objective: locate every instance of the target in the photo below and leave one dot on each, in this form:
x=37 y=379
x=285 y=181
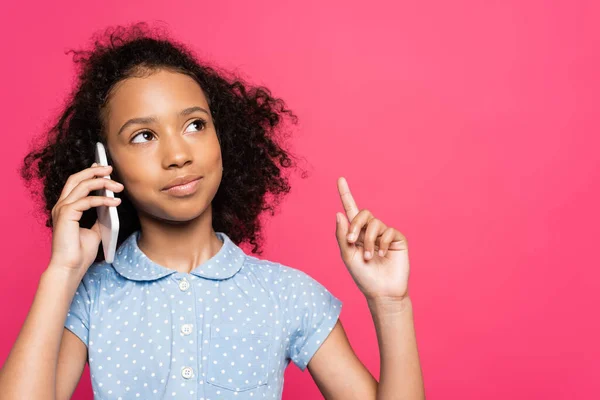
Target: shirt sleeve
x=312 y=313
x=78 y=316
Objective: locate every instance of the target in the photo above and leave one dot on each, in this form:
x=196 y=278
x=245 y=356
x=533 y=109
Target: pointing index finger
x=347 y=199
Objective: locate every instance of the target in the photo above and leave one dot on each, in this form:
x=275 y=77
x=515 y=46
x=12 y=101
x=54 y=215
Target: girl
x=183 y=312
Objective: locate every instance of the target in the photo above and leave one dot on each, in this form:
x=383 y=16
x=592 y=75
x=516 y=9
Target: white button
x=187 y=372
x=186 y=329
x=184 y=284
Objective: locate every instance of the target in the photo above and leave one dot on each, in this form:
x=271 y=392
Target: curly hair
x=247 y=120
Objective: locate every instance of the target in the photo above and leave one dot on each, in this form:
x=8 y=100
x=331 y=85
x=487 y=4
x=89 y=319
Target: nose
x=176 y=151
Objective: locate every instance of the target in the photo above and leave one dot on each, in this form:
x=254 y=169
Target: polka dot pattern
x=226 y=330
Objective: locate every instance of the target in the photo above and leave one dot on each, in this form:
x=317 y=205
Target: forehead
x=154 y=93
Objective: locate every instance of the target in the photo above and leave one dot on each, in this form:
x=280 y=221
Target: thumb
x=341 y=231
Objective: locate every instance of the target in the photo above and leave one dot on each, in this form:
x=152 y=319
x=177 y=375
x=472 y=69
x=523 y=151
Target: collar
x=131 y=263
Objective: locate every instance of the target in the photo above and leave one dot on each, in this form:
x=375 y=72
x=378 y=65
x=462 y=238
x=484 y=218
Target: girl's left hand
x=376 y=255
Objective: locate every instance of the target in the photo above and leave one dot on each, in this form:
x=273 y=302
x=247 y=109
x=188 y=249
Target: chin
x=182 y=214
x=176 y=212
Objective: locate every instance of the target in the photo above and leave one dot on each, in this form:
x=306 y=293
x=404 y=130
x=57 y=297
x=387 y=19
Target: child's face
x=146 y=155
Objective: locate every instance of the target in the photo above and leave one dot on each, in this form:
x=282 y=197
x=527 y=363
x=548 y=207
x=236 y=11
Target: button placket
x=185 y=344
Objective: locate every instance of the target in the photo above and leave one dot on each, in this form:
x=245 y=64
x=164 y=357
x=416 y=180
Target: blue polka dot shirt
x=226 y=330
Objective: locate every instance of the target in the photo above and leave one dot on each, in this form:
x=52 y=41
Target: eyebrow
x=152 y=119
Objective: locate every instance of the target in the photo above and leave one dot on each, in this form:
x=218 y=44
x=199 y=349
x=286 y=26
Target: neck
x=179 y=246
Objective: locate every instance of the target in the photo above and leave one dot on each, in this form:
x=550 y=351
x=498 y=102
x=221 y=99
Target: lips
x=181 y=180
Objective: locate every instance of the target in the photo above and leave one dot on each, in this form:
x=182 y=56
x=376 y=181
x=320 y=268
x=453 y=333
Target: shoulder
x=275 y=269
x=285 y=277
x=98 y=274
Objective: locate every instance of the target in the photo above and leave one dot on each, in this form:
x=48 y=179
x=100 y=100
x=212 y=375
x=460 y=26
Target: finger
x=374 y=229
x=84 y=188
x=347 y=199
x=355 y=234
x=73 y=211
x=399 y=241
x=76 y=178
x=341 y=230
x=384 y=241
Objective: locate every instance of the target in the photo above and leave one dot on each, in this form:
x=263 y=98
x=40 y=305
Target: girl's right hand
x=73 y=247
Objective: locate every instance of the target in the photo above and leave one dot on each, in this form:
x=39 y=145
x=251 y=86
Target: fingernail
x=367 y=254
x=94 y=164
x=351 y=236
x=380 y=253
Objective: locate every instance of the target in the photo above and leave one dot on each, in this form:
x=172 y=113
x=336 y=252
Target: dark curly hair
x=247 y=120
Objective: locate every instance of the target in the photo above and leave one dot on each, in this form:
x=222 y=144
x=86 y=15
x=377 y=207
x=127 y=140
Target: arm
x=337 y=371
x=39 y=345
x=377 y=258
x=339 y=374
x=400 y=376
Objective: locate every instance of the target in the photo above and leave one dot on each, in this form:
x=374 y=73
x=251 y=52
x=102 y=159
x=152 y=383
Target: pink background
x=470 y=126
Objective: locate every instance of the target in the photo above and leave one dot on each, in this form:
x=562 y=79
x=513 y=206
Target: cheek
x=214 y=164
x=218 y=159
x=137 y=180
x=214 y=156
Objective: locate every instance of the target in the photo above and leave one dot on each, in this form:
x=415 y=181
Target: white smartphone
x=108 y=217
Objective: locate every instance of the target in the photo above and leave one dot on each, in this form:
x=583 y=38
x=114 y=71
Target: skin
x=176 y=232
x=376 y=255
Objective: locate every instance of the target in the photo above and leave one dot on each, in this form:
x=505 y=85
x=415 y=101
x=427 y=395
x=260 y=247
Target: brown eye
x=145 y=134
x=197 y=124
